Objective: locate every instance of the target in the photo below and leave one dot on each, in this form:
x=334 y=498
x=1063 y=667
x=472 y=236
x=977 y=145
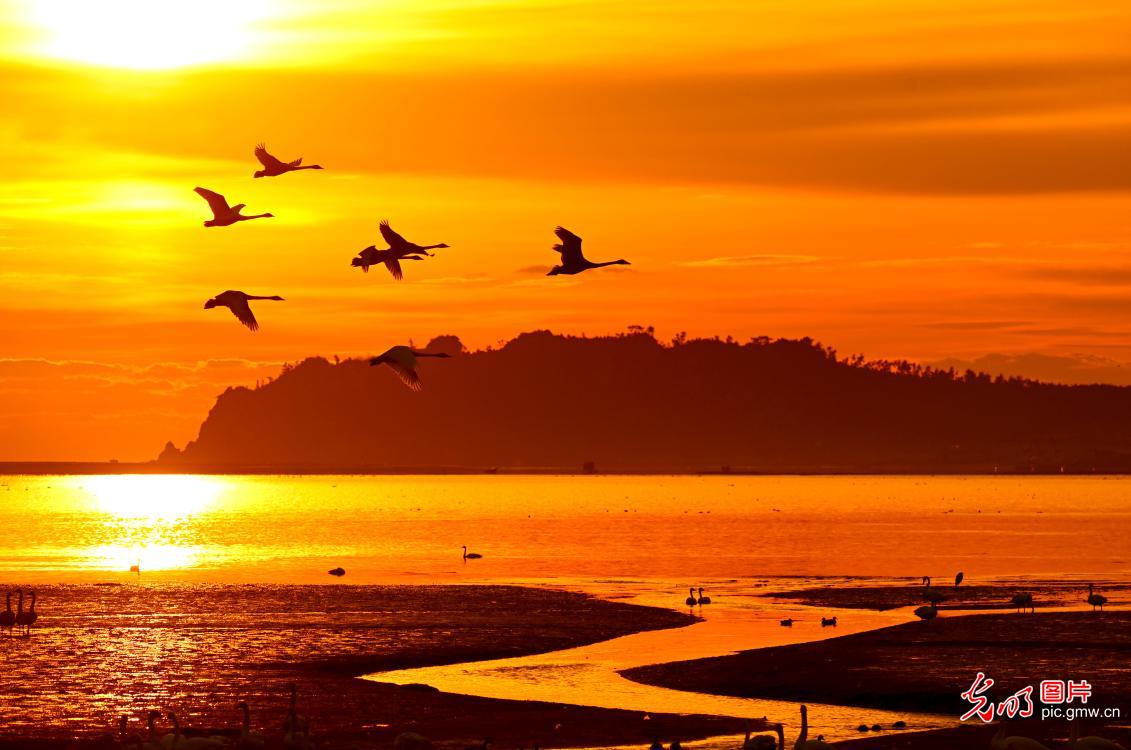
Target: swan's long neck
x=804 y=728
x=32 y=608
x=781 y=736
x=20 y=603
x=621 y=262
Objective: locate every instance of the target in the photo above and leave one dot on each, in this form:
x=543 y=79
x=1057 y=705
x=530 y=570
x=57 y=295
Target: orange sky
x=922 y=180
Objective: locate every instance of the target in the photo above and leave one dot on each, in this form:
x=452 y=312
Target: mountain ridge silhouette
x=628 y=402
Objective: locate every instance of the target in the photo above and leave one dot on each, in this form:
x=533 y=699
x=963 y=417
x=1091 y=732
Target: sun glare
x=152 y=497
x=144 y=34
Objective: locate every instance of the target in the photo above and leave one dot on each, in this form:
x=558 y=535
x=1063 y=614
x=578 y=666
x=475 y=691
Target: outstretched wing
x=407 y=375
x=242 y=310
x=394 y=267
x=295 y=163
x=570 y=247
x=395 y=241
x=216 y=202
x=268 y=161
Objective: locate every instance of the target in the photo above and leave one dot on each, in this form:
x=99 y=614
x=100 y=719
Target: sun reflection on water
x=150 y=519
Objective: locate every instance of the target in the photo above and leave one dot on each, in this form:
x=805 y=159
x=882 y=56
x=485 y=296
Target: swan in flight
x=402 y=361
x=803 y=742
x=8 y=617
x=572 y=260
x=371 y=256
x=237 y=302
x=1096 y=600
x=470 y=555
x=224 y=215
x=272 y=167
x=403 y=246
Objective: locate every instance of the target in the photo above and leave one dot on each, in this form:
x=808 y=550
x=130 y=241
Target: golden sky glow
x=923 y=180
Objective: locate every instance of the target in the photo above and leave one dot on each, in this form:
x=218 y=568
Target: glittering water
x=293 y=529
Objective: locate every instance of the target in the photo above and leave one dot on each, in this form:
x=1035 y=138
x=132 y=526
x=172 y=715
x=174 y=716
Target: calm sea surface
x=279 y=529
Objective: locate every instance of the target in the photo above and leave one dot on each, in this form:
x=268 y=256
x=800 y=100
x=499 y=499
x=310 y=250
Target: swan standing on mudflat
x=273 y=167
x=929 y=594
x=1096 y=600
x=926 y=614
x=224 y=215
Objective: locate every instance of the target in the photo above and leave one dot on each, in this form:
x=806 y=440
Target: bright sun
x=146 y=34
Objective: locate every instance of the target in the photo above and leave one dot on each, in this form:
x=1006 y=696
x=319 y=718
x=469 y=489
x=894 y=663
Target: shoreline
x=95 y=468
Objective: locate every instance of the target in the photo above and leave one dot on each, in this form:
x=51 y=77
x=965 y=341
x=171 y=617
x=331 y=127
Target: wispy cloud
x=763 y=259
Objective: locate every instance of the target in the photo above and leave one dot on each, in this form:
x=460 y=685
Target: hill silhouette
x=631 y=403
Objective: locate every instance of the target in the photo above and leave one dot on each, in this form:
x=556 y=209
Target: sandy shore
x=67 y=685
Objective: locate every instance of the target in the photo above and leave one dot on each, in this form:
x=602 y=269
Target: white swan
x=803 y=743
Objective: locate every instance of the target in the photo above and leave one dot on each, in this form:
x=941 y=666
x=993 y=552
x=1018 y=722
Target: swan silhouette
x=803 y=742
x=470 y=555
x=703 y=599
x=1001 y=741
x=371 y=256
x=180 y=742
x=1022 y=602
x=25 y=619
x=402 y=360
x=237 y=302
x=248 y=736
x=7 y=617
x=787 y=623
x=1096 y=600
x=691 y=601
x=926 y=614
x=224 y=215
x=929 y=594
x=337 y=572
x=828 y=622
x=272 y=167
x=762 y=742
x=573 y=261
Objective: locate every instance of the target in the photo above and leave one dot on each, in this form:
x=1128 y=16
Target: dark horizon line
x=111 y=467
